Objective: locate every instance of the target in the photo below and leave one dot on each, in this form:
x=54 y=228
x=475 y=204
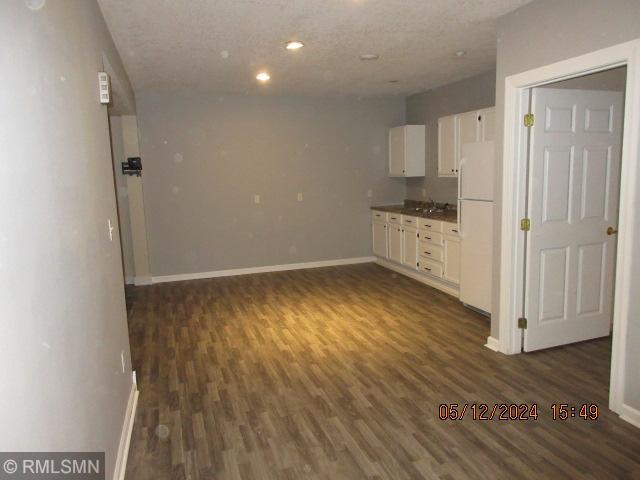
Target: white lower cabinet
x=395 y=242
x=432 y=247
x=410 y=247
x=380 y=239
x=451 y=270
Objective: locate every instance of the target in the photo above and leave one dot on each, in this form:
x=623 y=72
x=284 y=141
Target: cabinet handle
x=427 y=225
x=479 y=118
x=454 y=230
x=428 y=269
x=428 y=253
x=428 y=238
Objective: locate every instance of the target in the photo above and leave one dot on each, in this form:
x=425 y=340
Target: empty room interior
x=383 y=239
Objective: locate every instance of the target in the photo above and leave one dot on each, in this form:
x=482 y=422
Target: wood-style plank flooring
x=337 y=373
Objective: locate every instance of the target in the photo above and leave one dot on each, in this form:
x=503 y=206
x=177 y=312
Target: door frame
x=514 y=162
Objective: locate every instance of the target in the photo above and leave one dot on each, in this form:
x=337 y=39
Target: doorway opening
x=519 y=92
x=571 y=200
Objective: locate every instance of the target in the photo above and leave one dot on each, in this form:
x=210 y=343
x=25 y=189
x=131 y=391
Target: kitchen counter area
x=419 y=239
x=420 y=209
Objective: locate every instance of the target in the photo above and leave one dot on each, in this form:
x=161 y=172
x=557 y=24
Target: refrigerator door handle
x=460 y=178
x=460 y=233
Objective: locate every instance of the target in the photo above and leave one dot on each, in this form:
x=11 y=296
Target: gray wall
x=62 y=309
x=206 y=156
x=541 y=33
x=119 y=156
x=425 y=109
x=612 y=80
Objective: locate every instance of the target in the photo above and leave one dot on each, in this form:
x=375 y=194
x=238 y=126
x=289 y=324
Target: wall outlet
x=299 y=196
x=370 y=193
x=256 y=199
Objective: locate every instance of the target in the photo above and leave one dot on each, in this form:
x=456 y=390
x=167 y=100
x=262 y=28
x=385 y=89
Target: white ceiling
x=219 y=45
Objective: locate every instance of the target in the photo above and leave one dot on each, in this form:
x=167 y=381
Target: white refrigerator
x=475 y=223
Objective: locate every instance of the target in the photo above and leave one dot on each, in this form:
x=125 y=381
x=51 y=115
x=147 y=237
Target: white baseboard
x=269 y=268
x=493 y=344
x=630 y=414
x=125 y=436
x=129 y=280
x=421 y=277
x=145 y=280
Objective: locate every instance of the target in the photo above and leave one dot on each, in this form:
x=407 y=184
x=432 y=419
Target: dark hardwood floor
x=338 y=373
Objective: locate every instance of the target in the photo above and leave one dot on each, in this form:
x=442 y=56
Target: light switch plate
x=104 y=88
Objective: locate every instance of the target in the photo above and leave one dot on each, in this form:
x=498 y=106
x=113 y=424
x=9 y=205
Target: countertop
x=449 y=215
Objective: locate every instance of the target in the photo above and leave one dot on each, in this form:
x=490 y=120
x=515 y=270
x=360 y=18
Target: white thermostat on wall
x=105 y=87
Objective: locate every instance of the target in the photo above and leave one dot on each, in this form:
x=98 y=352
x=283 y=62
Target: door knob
x=611 y=231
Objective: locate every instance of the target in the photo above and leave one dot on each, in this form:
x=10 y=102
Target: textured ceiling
x=219 y=45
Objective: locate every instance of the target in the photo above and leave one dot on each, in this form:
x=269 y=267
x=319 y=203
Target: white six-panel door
x=574 y=169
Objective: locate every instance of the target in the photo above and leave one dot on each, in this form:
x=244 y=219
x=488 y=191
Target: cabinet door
x=451 y=271
x=447 y=147
x=410 y=247
x=487 y=124
x=396 y=152
x=395 y=242
x=380 y=239
x=467 y=131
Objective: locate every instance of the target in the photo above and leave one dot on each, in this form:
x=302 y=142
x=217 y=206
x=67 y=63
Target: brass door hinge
x=529 y=120
x=525 y=224
x=522 y=323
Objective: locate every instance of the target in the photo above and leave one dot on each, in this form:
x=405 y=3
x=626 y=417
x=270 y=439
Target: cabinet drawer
x=450 y=228
x=378 y=216
x=429 y=224
x=430 y=267
x=430 y=251
x=409 y=221
x=434 y=238
x=394 y=218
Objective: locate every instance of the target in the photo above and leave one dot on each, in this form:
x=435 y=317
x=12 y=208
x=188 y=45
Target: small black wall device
x=133 y=166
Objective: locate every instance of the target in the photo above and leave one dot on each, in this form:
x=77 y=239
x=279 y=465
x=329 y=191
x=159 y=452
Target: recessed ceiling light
x=263 y=76
x=294 y=45
x=369 y=56
x=461 y=53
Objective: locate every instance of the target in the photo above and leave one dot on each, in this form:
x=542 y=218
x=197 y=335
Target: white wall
x=62 y=309
x=547 y=31
x=206 y=156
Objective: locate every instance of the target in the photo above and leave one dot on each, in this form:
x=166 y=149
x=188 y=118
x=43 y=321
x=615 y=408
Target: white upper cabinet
x=468 y=131
x=456 y=130
x=447 y=146
x=487 y=124
x=407 y=151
